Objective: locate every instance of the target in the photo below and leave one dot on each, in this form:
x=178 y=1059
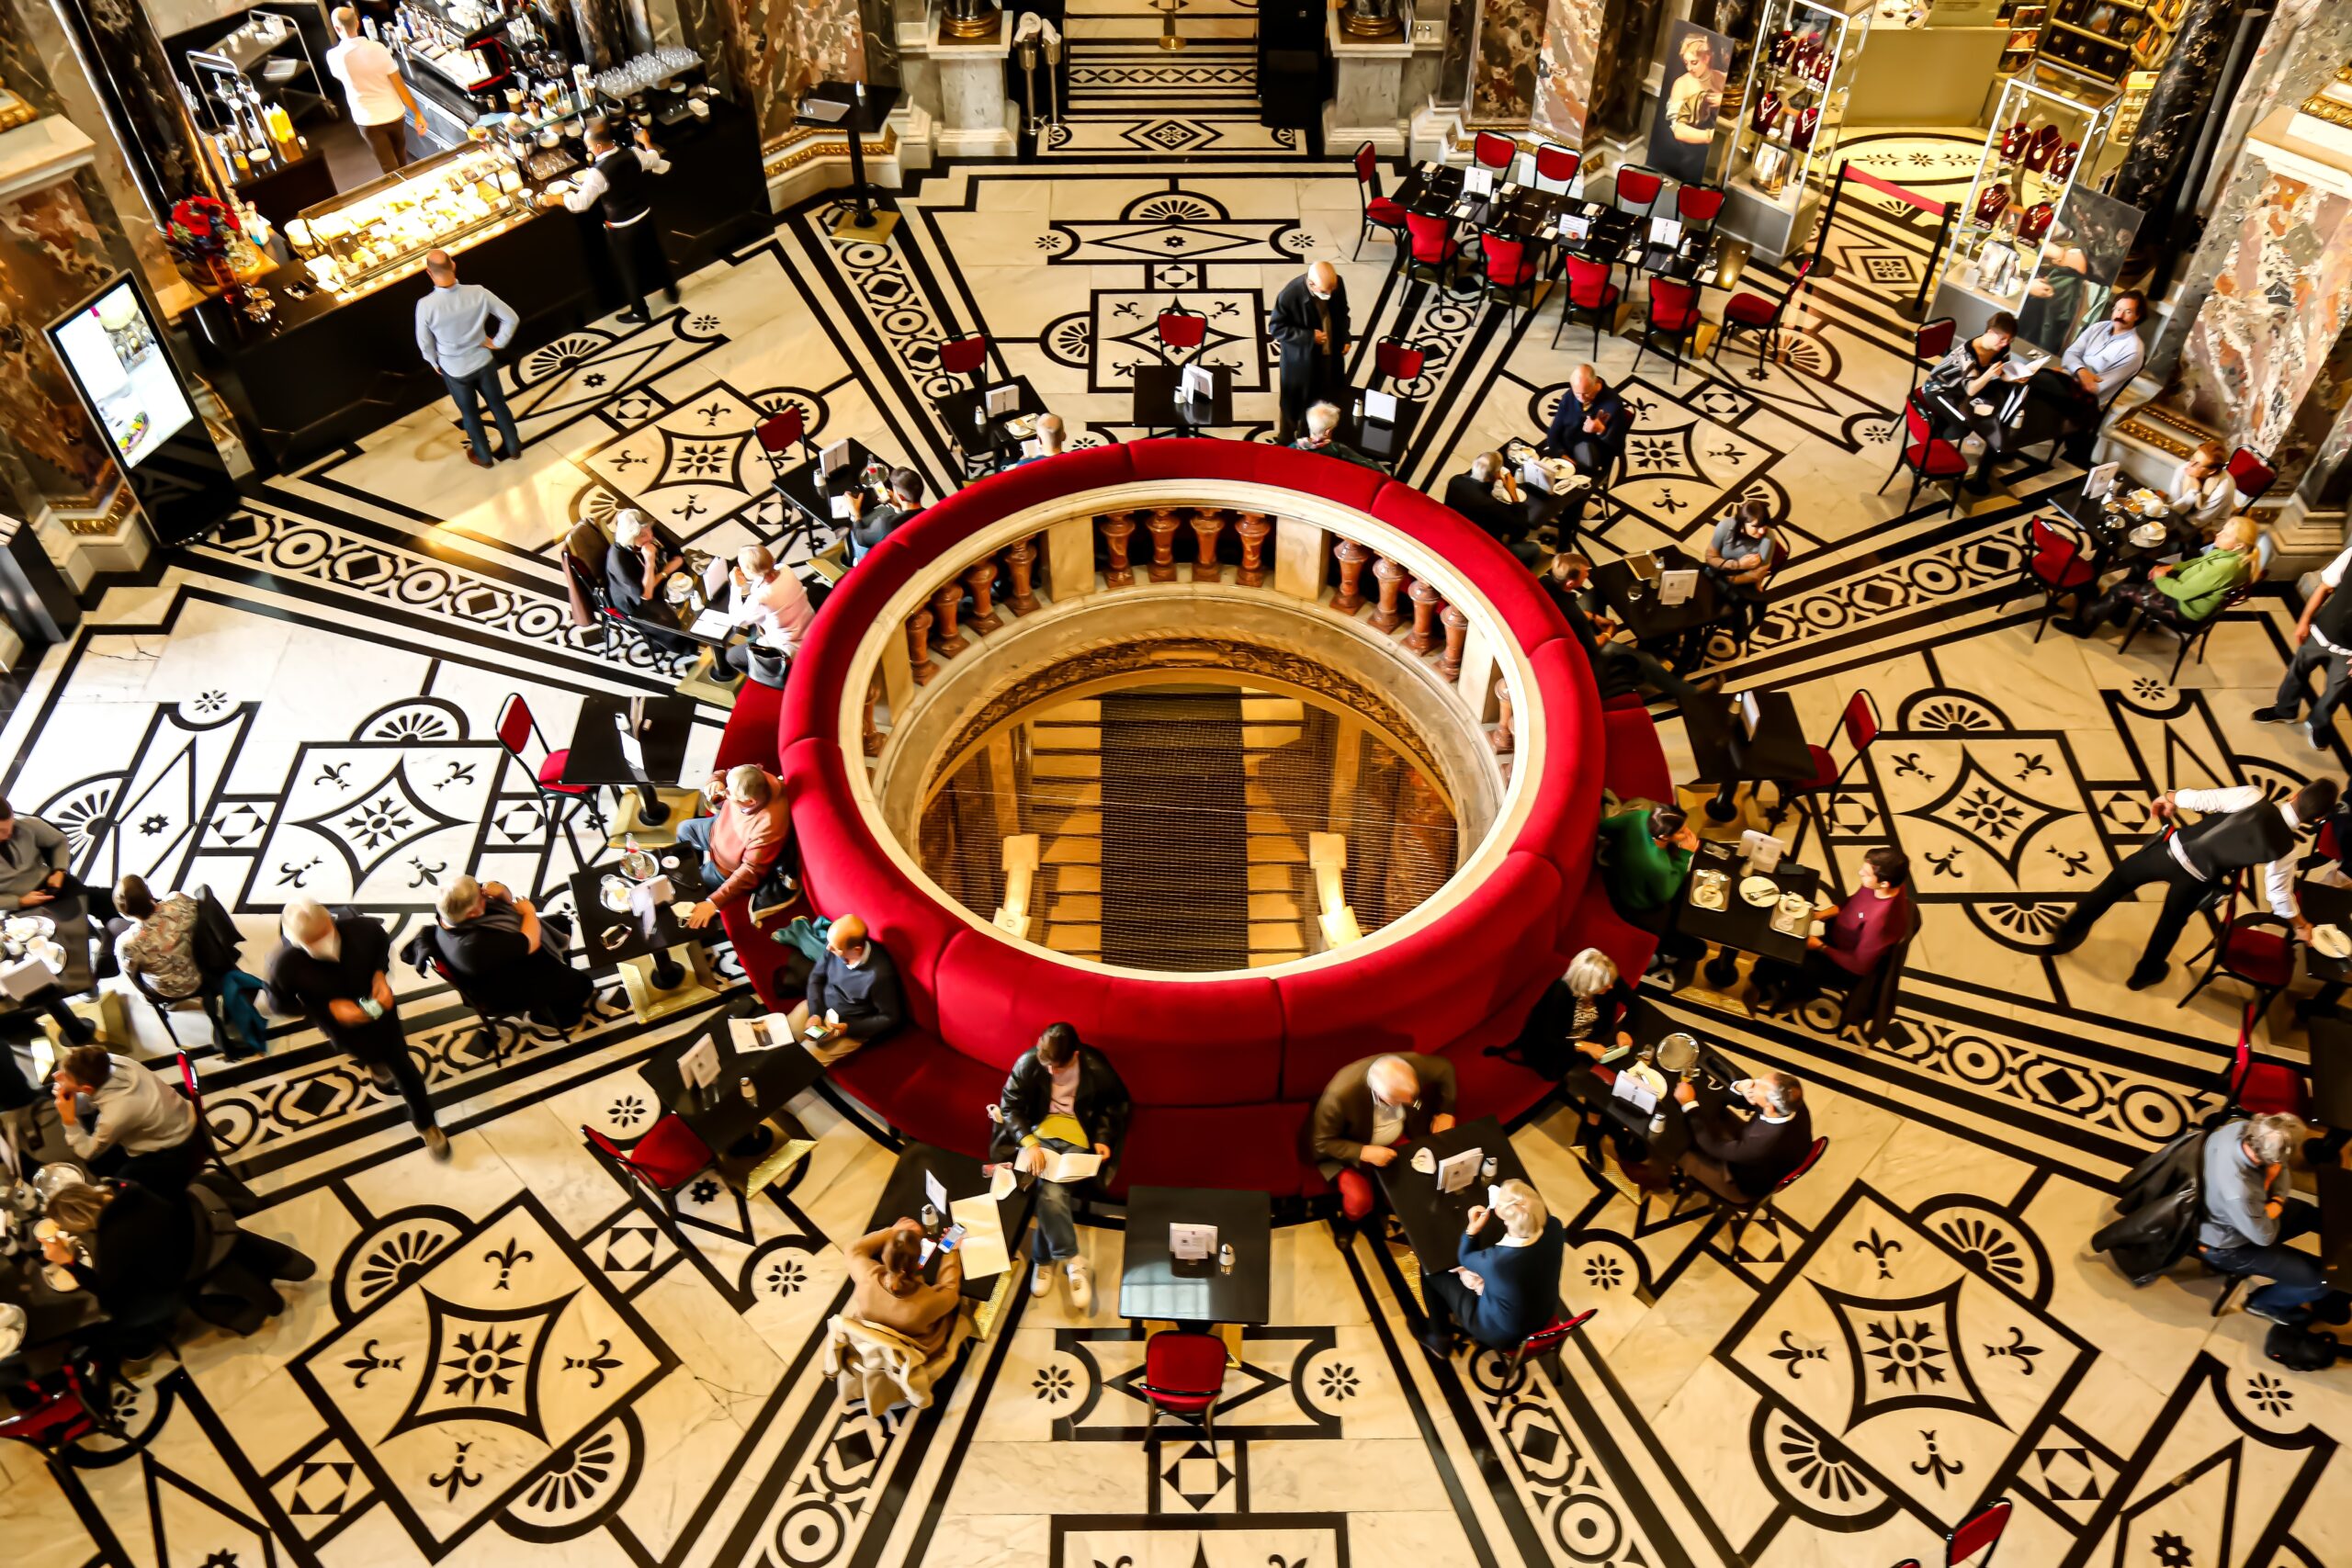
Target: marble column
x=777 y=50
x=52 y=252
x=2304 y=46
x=1624 y=66
x=118 y=48
x=2150 y=176
x=1736 y=19
x=1563 y=86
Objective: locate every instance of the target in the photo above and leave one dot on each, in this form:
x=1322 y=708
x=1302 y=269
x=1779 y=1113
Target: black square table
x=1381 y=439
x=719 y=1115
x=70 y=928
x=1433 y=1220
x=1153 y=1285
x=904 y=1198
x=2110 y=529
x=54 y=1320
x=1711 y=1082
x=1156 y=407
x=2325 y=906
x=1637 y=607
x=972 y=427
x=2334 y=1185
x=812 y=497
x=1741 y=926
x=1728 y=757
x=596 y=757
x=868 y=106
x=610 y=936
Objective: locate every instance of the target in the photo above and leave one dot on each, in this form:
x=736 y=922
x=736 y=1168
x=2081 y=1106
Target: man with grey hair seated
x=1053 y=437
x=1489 y=495
x=2249 y=1218
x=1322 y=436
x=1368 y=1109
x=637 y=569
x=1741 y=1159
x=741 y=842
x=331 y=969
x=502 y=955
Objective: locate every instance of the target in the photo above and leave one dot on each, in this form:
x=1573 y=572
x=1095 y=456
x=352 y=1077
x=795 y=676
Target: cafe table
x=64 y=921
x=2324 y=904
x=1156 y=407
x=1155 y=1285
x=1739 y=926
x=1637 y=607
x=597 y=757
x=1383 y=440
x=2331 y=1038
x=2110 y=528
x=809 y=491
x=649 y=956
x=55 y=1320
x=1729 y=756
x=905 y=1192
x=1433 y=1220
x=719 y=1113
x=991 y=436
x=1661 y=1132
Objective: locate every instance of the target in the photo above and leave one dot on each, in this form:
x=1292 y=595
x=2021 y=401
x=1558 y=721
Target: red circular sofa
x=1224 y=1070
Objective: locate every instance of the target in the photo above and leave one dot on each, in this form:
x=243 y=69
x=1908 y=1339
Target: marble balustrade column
x=1253 y=529
x=873 y=736
x=141 y=98
x=1163 y=526
x=1386 y=615
x=1457 y=636
x=1208 y=522
x=1021 y=560
x=979 y=581
x=2149 y=177
x=919 y=648
x=1421 y=638
x=1351 y=557
x=1499 y=737
x=1116 y=527
x=944 y=600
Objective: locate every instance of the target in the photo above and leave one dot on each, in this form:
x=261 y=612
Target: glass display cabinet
x=363 y=239
x=1799 y=76
x=2049 y=132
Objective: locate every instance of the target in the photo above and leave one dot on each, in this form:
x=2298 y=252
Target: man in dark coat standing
x=331 y=969
x=1310 y=321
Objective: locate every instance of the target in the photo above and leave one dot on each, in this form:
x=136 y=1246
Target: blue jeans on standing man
x=482 y=384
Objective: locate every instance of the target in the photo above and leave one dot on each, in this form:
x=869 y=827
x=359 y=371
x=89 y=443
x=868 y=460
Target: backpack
x=2300 y=1349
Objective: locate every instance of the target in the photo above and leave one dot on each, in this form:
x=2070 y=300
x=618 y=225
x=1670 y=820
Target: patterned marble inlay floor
x=305 y=703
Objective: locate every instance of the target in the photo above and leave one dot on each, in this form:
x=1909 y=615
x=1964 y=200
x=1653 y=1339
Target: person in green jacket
x=1645 y=857
x=2191 y=590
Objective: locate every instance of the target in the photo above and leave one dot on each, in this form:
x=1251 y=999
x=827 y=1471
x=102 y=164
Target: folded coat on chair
x=883 y=1368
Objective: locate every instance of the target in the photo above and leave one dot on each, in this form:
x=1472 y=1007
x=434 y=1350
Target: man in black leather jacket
x=1061 y=1097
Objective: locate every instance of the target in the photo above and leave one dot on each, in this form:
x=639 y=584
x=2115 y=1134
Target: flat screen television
x=112 y=349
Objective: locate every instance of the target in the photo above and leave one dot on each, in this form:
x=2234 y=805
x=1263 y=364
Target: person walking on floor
x=333 y=970
x=460 y=327
x=2322 y=641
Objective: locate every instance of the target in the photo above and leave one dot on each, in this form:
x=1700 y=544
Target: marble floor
x=305 y=704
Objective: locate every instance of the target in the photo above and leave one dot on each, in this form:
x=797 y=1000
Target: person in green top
x=2191 y=590
x=1645 y=856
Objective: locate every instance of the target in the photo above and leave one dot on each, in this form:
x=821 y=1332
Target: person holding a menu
x=1310 y=321
x=1060 y=1121
x=1504 y=1288
x=869 y=525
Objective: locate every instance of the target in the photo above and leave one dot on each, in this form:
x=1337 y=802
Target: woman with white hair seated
x=1503 y=1289
x=637 y=569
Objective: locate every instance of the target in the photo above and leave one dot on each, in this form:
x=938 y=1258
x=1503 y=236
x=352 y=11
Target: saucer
x=1761 y=891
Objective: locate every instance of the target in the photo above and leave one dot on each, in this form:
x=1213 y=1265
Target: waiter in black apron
x=619 y=185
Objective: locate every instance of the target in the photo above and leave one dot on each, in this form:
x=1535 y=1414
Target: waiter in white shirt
x=2103 y=356
x=2322 y=642
x=618 y=183
x=773 y=606
x=372 y=84
x=2242 y=829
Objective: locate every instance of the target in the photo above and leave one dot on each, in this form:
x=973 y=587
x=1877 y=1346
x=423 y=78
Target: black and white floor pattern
x=515 y=1358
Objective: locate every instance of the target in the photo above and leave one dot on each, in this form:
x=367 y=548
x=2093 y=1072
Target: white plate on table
x=2331 y=942
x=613 y=893
x=2148 y=534
x=1761 y=891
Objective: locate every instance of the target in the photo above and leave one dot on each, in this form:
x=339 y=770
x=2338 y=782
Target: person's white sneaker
x=1082 y=1288
x=1041 y=1278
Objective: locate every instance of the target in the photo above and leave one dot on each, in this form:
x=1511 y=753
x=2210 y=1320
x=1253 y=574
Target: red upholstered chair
x=1697 y=205
x=2257 y=947
x=1590 y=293
x=1183 y=1374
x=781 y=431
x=1754 y=313
x=1978 y=1534
x=1637 y=189
x=1377 y=212
x=666 y=1158
x=1434 y=250
x=2194 y=634
x=1674 y=311
x=2251 y=475
x=1930 y=458
x=1859 y=723
x=2261 y=1088
x=1180 y=331
x=965 y=356
x=60 y=1414
x=1555 y=168
x=1494 y=153
x=2057 y=561
x=1544 y=1341
x=1928 y=346
x=516 y=731
x=1394 y=362
x=1510 y=266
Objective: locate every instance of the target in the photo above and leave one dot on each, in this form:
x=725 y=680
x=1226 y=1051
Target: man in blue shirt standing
x=459 y=328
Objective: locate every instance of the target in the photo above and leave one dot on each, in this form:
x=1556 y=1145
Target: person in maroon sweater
x=1862 y=932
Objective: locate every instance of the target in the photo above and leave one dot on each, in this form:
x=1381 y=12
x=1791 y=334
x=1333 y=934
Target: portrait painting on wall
x=1682 y=133
x=2076 y=277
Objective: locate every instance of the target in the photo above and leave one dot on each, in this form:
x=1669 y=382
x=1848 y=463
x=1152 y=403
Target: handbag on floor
x=2300 y=1349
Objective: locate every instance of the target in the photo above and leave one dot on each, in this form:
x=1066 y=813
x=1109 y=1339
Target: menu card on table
x=1191 y=1244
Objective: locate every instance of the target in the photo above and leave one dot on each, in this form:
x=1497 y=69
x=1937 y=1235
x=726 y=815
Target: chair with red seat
x=1555 y=168
x=60 y=1414
x=1929 y=344
x=1376 y=210
x=1979 y=1533
x=1746 y=312
x=1180 y=331
x=516 y=729
x=1674 y=311
x=2260 y=1088
x=1550 y=1337
x=666 y=1158
x=1930 y=457
x=2251 y=474
x=1638 y=188
x=207 y=1150
x=781 y=431
x=2166 y=618
x=1433 y=251
x=1494 y=153
x=1183 y=1374
x=1509 y=266
x=965 y=356
x=2056 y=560
x=1395 y=361
x=1590 y=293
x=1859 y=724
x=1697 y=205
x=2257 y=948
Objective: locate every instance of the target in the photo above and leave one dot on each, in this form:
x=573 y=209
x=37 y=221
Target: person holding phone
x=854 y=994
x=886 y=1289
x=1062 y=1097
x=1977 y=373
x=1503 y=1289
x=122 y=1119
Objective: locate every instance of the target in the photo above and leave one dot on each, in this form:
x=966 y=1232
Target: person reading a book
x=1976 y=388
x=1060 y=1121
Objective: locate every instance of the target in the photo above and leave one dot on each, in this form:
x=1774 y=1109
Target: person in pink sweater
x=1862 y=932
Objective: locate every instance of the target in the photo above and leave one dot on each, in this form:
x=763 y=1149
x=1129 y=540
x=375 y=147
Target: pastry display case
x=1799 y=75
x=365 y=238
x=2050 y=133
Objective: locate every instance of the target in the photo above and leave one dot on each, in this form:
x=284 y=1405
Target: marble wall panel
x=52 y=254
x=777 y=50
x=1571 y=54
x=1506 y=58
x=2281 y=298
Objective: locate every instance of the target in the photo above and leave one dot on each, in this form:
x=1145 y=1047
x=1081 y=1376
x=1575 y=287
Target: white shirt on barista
x=592 y=185
x=368 y=71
